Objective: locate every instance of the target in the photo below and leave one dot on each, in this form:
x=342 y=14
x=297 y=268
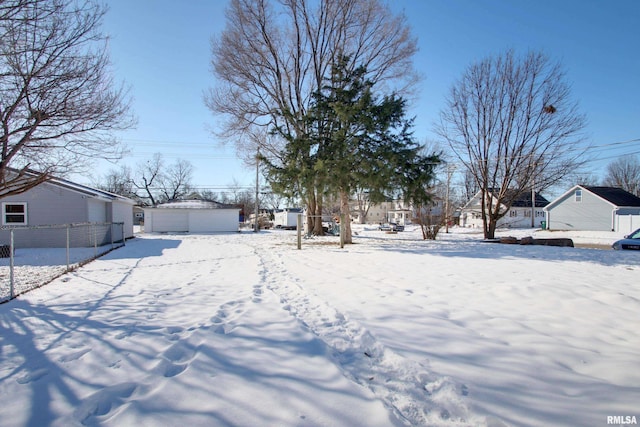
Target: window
x=513 y=214
x=578 y=196
x=14 y=213
x=527 y=214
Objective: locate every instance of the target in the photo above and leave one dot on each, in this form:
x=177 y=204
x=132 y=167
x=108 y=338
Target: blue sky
x=161 y=49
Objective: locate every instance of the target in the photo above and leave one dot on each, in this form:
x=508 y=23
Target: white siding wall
x=627 y=223
x=123 y=212
x=96 y=210
x=165 y=220
x=213 y=220
x=190 y=220
x=589 y=212
x=285 y=219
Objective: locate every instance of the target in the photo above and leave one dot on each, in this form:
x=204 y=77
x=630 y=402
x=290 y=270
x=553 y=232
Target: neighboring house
x=518 y=216
x=191 y=216
x=588 y=208
x=379 y=213
x=59 y=201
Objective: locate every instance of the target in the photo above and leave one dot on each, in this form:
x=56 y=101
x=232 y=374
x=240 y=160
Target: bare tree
x=156 y=182
x=175 y=181
x=148 y=174
x=511 y=123
x=624 y=173
x=273 y=56
x=59 y=106
x=469 y=185
x=118 y=181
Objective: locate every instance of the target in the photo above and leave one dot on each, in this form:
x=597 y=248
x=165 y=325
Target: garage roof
x=195 y=204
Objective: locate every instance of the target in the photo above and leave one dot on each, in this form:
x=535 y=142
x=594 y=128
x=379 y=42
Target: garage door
x=170 y=221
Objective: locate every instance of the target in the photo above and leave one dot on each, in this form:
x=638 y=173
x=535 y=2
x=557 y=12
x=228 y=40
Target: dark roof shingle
x=617 y=196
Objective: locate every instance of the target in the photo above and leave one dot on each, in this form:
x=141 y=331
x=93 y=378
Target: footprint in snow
x=169 y=369
x=103 y=402
x=74 y=356
x=32 y=376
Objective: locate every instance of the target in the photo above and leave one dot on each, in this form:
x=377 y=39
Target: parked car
x=632 y=241
x=391 y=226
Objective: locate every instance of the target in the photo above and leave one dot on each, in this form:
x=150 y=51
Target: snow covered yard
x=243 y=329
x=34 y=267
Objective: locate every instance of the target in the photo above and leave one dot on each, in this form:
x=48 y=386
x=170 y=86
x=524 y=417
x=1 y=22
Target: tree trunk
x=317 y=229
x=491 y=228
x=346 y=216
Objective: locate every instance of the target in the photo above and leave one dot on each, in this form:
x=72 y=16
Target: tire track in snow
x=415 y=395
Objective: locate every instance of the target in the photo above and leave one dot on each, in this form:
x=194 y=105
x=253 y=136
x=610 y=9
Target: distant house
x=60 y=201
x=191 y=216
x=518 y=216
x=594 y=209
x=378 y=213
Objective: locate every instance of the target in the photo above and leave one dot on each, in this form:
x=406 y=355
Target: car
x=391 y=226
x=632 y=242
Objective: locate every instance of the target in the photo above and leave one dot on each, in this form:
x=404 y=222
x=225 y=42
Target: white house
x=191 y=216
x=378 y=213
x=518 y=216
x=594 y=209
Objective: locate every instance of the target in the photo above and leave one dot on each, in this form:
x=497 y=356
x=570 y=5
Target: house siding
x=121 y=212
x=50 y=204
x=592 y=213
x=61 y=206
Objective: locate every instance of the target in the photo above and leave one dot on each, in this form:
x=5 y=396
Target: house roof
x=89 y=191
x=616 y=196
x=521 y=200
x=193 y=204
x=79 y=188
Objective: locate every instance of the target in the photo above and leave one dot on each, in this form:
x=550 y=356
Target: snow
x=243 y=329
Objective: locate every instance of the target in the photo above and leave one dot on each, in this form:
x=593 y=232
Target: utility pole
x=257 y=210
x=533 y=204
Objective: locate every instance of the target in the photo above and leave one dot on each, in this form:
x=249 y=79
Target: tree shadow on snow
x=474 y=248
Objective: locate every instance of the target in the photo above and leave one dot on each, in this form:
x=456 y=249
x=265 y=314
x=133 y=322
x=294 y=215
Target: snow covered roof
x=194 y=204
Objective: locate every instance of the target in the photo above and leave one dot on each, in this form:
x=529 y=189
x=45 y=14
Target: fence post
x=111 y=230
x=68 y=245
x=11 y=277
x=342 y=227
x=299 y=228
x=95 y=240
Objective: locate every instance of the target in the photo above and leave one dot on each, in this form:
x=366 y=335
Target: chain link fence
x=32 y=256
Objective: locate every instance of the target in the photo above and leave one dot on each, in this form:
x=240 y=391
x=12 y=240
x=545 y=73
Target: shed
x=191 y=216
x=287 y=218
x=590 y=208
